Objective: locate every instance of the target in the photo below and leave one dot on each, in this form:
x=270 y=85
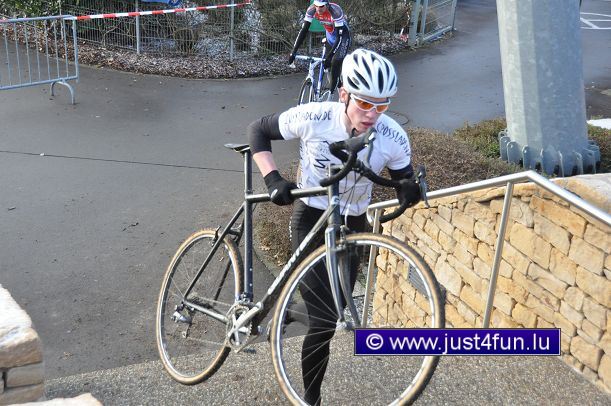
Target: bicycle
x=311 y=88
x=206 y=306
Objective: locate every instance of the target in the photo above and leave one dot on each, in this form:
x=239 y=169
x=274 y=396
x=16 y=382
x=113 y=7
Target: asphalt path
x=96 y=197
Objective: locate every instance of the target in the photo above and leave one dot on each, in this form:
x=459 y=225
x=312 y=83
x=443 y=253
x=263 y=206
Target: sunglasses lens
x=363 y=104
x=367 y=106
x=381 y=108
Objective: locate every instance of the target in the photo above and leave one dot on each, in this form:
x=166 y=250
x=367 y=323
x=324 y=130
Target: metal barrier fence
x=431 y=19
x=36 y=51
x=263 y=27
x=374 y=212
x=231 y=32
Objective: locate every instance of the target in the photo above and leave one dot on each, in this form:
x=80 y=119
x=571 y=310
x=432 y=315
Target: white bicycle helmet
x=369 y=74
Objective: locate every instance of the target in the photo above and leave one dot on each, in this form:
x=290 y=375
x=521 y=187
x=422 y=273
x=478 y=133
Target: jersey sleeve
x=395 y=141
x=402 y=156
x=339 y=19
x=291 y=122
x=309 y=15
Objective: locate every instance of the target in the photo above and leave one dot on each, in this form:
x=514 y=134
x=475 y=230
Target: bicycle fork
x=338 y=269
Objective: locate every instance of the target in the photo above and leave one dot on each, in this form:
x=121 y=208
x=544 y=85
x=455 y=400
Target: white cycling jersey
x=319 y=124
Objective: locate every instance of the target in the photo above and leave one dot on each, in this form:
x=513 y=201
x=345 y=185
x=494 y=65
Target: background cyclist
x=332 y=17
x=369 y=81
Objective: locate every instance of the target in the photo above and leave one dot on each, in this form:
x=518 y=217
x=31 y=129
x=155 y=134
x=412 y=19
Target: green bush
x=602 y=137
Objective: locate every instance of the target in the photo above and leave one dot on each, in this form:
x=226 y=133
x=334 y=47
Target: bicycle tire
x=182 y=345
x=306 y=93
x=372 y=382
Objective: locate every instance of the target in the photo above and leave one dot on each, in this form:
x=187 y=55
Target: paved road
x=138 y=164
x=249 y=379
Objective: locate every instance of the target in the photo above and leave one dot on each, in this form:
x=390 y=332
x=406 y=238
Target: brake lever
x=424 y=187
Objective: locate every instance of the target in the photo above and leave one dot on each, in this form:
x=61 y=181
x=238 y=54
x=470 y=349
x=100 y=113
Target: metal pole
x=231 y=32
x=137 y=30
x=454 y=13
x=74 y=38
x=498 y=253
x=425 y=9
x=541 y=57
x=413 y=28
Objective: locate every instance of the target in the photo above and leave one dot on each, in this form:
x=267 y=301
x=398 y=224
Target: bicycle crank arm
x=244 y=319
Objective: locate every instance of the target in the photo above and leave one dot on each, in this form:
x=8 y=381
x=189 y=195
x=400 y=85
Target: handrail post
x=370 y=266
x=498 y=253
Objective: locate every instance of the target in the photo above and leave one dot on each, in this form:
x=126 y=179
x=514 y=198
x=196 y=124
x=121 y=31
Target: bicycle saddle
x=241 y=148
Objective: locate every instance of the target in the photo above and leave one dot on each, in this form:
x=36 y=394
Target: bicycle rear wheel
x=306 y=94
x=191 y=330
x=403 y=293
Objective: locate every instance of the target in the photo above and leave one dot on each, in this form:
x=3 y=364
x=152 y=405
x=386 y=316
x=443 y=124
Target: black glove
x=408 y=191
x=279 y=188
x=291 y=58
x=326 y=63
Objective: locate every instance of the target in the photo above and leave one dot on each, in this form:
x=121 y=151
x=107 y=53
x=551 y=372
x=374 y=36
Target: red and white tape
x=156 y=12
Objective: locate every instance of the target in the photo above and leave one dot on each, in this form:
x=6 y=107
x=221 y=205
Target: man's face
x=358 y=118
x=320 y=9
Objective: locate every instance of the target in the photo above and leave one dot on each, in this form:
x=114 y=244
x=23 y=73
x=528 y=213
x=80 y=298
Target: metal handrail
x=508 y=181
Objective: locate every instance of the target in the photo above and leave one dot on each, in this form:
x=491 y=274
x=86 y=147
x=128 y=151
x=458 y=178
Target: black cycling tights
x=318 y=299
x=338 y=58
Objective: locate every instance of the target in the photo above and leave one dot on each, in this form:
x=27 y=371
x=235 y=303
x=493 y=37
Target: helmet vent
x=380 y=81
x=362 y=79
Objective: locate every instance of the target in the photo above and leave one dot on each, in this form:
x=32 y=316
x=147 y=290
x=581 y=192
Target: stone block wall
x=21 y=364
x=555 y=269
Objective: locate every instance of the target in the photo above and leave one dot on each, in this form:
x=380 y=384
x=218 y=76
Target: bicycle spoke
x=184 y=329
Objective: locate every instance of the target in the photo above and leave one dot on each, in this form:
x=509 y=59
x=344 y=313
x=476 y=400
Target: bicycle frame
x=314 y=63
x=331 y=216
x=320 y=73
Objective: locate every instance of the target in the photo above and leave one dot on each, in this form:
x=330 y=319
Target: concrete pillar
x=541 y=60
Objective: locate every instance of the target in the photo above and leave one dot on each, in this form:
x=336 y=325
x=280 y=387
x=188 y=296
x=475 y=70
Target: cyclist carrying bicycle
x=332 y=17
x=369 y=81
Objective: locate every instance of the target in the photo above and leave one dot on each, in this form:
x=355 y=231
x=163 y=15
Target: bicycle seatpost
x=248 y=271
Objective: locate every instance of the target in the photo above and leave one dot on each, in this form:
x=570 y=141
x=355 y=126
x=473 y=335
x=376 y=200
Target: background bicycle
x=206 y=306
x=312 y=87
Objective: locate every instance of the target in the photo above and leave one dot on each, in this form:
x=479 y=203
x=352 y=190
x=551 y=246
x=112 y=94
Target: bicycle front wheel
x=191 y=330
x=397 y=290
x=306 y=94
